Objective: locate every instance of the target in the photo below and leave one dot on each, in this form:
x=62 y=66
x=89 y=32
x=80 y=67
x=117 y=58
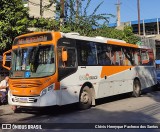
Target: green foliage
x=77 y=17
x=93 y=24
x=126 y=34
x=129 y=35
x=44 y=24
x=13 y=21
x=105 y=31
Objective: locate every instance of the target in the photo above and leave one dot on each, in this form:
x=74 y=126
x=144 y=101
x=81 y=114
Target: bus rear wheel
x=85 y=100
x=136 y=88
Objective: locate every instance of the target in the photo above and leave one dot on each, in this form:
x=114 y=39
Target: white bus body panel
x=121 y=82
x=118 y=83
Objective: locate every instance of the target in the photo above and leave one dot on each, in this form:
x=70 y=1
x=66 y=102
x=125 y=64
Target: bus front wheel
x=85 y=100
x=136 y=88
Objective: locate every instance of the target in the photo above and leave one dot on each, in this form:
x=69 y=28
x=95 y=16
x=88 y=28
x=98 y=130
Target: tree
x=129 y=35
x=126 y=34
x=13 y=21
x=44 y=24
x=77 y=19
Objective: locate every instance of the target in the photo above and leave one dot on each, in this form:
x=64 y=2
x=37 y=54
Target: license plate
x=23 y=100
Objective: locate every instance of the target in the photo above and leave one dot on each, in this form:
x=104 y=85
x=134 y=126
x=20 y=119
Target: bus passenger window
x=91 y=60
x=115 y=55
x=71 y=61
x=104 y=59
x=112 y=57
x=60 y=62
x=103 y=53
x=87 y=53
x=147 y=57
x=136 y=57
x=128 y=56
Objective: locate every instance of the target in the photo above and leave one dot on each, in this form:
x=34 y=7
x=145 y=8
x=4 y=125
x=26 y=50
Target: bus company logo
x=24 y=86
x=87 y=77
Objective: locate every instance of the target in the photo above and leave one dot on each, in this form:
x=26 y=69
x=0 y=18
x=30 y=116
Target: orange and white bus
x=54 y=68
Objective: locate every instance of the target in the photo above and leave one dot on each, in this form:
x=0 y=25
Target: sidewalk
x=5 y=109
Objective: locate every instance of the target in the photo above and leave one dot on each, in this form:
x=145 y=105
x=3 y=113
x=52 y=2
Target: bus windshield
x=30 y=62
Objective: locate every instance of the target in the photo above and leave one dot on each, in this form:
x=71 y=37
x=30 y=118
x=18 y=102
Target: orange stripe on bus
x=122 y=44
x=57 y=86
x=110 y=70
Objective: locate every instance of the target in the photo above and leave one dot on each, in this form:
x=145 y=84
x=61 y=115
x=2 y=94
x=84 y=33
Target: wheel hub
x=84 y=97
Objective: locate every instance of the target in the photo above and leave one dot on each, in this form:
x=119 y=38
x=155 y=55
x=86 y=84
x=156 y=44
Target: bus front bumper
x=49 y=99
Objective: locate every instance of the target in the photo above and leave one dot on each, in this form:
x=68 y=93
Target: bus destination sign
x=33 y=39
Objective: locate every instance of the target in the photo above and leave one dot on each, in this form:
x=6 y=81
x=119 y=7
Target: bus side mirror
x=4 y=59
x=64 y=55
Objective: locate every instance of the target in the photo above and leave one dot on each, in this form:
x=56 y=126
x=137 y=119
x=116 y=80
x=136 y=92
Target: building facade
x=40 y=8
x=149 y=32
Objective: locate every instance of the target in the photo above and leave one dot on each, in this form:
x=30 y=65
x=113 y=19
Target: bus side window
x=144 y=57
x=103 y=55
x=147 y=57
x=86 y=53
x=71 y=61
x=116 y=56
x=151 y=56
x=60 y=62
x=136 y=58
x=128 y=56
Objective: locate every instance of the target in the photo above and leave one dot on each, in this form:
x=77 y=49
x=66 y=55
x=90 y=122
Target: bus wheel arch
x=136 y=87
x=87 y=96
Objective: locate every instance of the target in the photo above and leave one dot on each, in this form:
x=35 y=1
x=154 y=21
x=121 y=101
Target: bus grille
x=25 y=99
x=26 y=84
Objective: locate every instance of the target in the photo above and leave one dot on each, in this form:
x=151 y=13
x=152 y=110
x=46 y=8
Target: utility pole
x=41 y=12
x=138 y=8
x=61 y=12
x=77 y=10
x=118 y=13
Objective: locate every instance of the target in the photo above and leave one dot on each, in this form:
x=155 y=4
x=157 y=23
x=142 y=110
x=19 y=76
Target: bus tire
x=85 y=100
x=136 y=88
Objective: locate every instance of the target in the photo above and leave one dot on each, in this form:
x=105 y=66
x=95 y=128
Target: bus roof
x=32 y=33
x=99 y=39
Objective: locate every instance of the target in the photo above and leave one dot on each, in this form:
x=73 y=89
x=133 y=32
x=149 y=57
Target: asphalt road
x=117 y=109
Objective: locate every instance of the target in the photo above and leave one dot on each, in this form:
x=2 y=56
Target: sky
x=148 y=9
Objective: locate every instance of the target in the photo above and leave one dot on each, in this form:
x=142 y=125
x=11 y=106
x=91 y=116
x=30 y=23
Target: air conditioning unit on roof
x=100 y=37
x=73 y=33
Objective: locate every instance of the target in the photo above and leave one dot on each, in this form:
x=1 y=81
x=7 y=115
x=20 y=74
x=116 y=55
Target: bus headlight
x=46 y=90
x=50 y=87
x=43 y=92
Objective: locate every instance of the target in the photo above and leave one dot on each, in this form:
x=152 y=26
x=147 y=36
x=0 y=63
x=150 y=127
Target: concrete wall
x=34 y=9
